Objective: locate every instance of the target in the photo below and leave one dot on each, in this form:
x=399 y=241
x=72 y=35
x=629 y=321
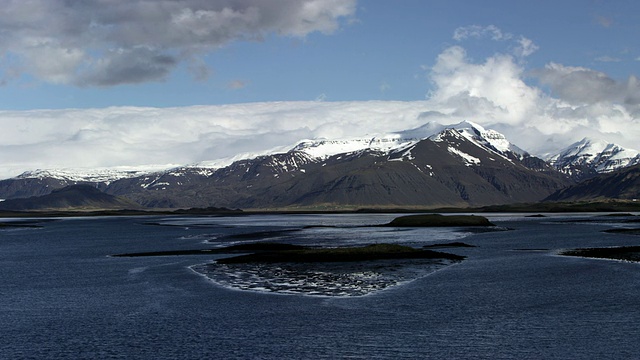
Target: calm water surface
x=62 y=296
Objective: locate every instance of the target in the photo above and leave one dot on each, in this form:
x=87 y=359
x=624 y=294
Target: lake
x=64 y=296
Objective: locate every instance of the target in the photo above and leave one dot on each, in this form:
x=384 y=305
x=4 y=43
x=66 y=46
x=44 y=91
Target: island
x=269 y=252
x=627 y=253
x=437 y=220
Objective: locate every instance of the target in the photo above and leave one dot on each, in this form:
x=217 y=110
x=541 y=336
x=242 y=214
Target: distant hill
x=623 y=184
x=75 y=197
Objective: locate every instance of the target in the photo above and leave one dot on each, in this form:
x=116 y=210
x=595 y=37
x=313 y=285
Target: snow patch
x=597 y=154
x=102 y=175
x=469 y=160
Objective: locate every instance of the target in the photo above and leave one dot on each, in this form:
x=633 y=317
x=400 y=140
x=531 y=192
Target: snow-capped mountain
x=622 y=184
x=488 y=139
x=589 y=157
x=309 y=150
x=456 y=167
x=98 y=175
x=314 y=150
x=432 y=150
x=322 y=148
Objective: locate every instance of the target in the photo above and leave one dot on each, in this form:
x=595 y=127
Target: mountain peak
x=487 y=139
x=590 y=156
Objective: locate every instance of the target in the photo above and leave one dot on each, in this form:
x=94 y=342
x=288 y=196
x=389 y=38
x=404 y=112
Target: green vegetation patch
x=436 y=220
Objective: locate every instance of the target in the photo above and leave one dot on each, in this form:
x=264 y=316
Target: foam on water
x=320 y=279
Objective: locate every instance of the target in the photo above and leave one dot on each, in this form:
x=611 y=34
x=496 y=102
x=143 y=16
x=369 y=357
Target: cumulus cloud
x=105 y=43
x=497 y=92
x=583 y=102
x=493 y=87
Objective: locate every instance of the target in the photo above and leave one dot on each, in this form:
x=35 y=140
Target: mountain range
x=589 y=157
x=622 y=184
x=431 y=166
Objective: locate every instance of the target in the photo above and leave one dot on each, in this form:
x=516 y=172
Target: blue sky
x=136 y=82
x=381 y=51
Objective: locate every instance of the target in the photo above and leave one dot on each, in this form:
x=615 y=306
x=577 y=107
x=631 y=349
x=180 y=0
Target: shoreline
x=533 y=208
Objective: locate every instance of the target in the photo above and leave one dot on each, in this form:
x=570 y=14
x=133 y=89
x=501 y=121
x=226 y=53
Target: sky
x=102 y=83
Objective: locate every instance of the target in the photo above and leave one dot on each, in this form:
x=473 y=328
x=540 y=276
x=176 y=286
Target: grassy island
x=370 y=252
x=436 y=220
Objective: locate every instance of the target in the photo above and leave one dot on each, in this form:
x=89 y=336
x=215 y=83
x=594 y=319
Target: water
x=62 y=296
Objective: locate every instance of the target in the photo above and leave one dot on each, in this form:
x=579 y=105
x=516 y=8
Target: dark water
x=62 y=296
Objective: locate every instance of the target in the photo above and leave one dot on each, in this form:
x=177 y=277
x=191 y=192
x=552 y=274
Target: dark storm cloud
x=110 y=42
x=579 y=85
x=130 y=66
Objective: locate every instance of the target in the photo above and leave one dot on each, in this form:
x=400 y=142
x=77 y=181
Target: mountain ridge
x=588 y=157
x=459 y=165
x=451 y=170
x=621 y=184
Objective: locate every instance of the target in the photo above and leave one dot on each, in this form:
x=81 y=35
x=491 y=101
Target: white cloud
x=105 y=43
x=583 y=102
x=477 y=31
x=493 y=87
x=525 y=47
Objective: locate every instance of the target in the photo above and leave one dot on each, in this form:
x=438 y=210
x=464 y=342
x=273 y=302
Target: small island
x=436 y=220
x=627 y=253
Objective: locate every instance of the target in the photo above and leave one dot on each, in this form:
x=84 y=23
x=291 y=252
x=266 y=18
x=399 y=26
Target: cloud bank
x=106 y=43
x=540 y=111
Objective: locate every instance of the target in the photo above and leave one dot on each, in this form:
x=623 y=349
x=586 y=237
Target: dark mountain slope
x=623 y=184
x=20 y=188
x=449 y=171
x=78 y=197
